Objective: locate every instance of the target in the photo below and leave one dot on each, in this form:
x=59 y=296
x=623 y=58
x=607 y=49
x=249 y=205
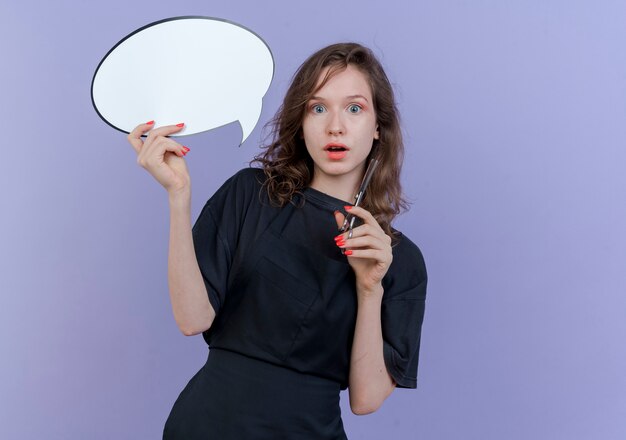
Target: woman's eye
x=354 y=108
x=318 y=108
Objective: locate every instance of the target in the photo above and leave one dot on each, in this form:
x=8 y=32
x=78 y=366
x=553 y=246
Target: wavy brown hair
x=286 y=161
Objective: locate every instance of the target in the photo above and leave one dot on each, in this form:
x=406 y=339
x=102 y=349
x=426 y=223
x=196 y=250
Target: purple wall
x=514 y=115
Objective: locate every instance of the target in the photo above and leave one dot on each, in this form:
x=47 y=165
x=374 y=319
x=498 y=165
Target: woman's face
x=339 y=127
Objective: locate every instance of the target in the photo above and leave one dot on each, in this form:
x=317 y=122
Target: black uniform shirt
x=284 y=293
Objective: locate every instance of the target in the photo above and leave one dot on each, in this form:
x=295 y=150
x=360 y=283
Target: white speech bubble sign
x=203 y=71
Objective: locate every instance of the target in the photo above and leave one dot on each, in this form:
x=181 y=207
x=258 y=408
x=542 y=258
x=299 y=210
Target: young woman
x=294 y=311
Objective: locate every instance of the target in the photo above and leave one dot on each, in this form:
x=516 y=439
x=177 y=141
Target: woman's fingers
x=161 y=155
x=372 y=254
x=366 y=230
x=363 y=214
x=153 y=154
x=158 y=142
x=134 y=137
x=165 y=131
x=368 y=247
x=367 y=241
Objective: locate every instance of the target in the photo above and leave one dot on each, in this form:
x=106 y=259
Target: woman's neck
x=340 y=187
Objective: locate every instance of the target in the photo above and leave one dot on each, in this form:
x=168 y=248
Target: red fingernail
x=339 y=237
x=347 y=207
x=185 y=148
x=150 y=122
x=341 y=243
x=348 y=252
x=180 y=125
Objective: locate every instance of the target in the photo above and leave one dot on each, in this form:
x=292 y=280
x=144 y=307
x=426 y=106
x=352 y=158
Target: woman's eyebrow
x=319 y=98
x=357 y=96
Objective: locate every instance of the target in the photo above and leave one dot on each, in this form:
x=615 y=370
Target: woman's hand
x=369 y=250
x=161 y=156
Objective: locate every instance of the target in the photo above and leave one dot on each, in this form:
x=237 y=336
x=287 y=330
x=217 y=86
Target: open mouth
x=336 y=148
x=336 y=151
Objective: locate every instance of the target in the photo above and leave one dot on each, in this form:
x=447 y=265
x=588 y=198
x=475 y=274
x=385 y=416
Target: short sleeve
x=402 y=315
x=217 y=230
x=213 y=254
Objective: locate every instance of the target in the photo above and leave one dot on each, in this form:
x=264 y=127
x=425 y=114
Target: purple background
x=515 y=122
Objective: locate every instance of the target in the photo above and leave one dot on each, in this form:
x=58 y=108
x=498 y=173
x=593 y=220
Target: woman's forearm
x=370 y=383
x=190 y=303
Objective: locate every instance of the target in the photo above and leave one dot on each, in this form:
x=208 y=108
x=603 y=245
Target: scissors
x=348 y=222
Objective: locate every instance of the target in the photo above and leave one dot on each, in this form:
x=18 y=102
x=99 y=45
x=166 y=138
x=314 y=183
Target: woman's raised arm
x=162 y=157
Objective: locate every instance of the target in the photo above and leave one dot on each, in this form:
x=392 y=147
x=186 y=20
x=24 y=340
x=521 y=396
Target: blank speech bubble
x=203 y=71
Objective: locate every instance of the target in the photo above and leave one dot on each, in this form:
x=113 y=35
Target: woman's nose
x=336 y=125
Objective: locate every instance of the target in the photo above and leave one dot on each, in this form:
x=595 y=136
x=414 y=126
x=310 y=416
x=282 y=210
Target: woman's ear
x=377 y=133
